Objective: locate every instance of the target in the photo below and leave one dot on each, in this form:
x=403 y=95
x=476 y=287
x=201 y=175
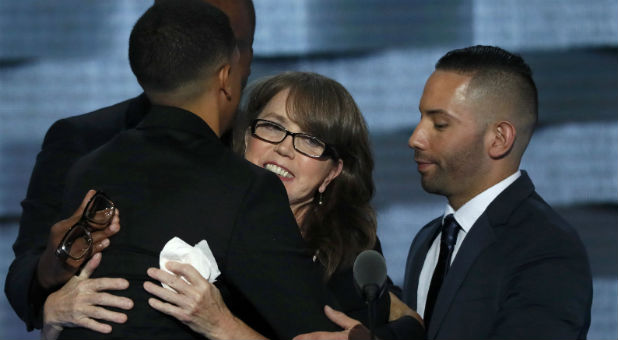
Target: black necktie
x=447 y=245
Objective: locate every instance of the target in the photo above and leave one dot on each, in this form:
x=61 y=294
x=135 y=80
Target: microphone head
x=369 y=273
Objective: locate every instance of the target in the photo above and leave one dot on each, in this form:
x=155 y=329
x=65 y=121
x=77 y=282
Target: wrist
x=231 y=327
x=50 y=332
x=227 y=324
x=237 y=329
x=49 y=322
x=42 y=271
x=51 y=272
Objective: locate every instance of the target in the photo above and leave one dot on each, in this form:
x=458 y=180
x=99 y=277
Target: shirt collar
x=174 y=118
x=468 y=213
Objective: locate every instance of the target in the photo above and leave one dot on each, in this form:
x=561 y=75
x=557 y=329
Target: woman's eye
x=270 y=127
x=314 y=142
x=311 y=142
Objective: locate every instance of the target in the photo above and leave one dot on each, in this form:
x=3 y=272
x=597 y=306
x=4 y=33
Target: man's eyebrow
x=440 y=112
x=436 y=112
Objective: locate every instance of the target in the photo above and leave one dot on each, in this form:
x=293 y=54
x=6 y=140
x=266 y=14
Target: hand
x=400 y=309
x=337 y=317
x=196 y=302
x=51 y=271
x=78 y=303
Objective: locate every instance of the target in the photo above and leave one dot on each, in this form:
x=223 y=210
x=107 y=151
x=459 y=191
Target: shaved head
x=242 y=19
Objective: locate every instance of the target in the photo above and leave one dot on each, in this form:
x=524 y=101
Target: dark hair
x=345 y=224
x=506 y=75
x=175 y=43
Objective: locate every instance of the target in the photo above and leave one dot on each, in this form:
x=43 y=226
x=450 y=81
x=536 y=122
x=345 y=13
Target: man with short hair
x=500 y=262
x=36 y=271
x=172 y=177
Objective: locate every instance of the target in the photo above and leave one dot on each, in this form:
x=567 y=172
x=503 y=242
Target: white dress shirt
x=466 y=216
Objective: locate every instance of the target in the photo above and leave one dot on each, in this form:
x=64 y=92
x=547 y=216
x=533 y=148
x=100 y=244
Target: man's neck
x=207 y=109
x=457 y=201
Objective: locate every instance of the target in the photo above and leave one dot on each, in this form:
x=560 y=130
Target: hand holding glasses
x=77 y=242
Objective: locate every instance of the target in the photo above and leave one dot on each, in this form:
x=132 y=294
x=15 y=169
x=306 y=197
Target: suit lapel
x=416 y=258
x=480 y=237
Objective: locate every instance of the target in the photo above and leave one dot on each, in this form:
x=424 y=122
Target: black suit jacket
x=521 y=272
x=66 y=141
x=172 y=176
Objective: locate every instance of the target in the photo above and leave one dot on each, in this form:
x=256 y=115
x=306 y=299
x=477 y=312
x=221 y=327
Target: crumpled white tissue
x=199 y=256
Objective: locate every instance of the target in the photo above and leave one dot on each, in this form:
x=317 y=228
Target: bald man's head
x=242 y=19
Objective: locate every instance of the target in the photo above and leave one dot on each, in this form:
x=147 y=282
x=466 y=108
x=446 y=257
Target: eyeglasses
x=77 y=242
x=308 y=145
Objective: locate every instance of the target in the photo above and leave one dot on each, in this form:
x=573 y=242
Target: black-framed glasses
x=77 y=242
x=308 y=145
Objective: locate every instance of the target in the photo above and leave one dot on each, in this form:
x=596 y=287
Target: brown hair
x=345 y=224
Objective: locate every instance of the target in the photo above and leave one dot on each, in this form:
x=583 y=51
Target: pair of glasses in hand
x=77 y=242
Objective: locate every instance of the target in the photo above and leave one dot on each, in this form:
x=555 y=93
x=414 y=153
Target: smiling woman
x=330 y=194
x=297 y=161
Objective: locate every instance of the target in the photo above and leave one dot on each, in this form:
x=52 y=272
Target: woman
x=326 y=167
x=327 y=170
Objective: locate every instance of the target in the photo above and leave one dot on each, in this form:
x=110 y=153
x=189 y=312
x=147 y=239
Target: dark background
x=66 y=57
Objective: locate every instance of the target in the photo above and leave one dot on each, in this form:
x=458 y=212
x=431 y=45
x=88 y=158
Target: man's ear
x=502 y=139
x=225 y=84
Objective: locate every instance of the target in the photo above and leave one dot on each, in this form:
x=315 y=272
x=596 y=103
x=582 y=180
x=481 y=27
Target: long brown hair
x=345 y=224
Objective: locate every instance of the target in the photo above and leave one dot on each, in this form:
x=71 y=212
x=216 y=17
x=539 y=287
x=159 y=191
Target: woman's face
x=301 y=175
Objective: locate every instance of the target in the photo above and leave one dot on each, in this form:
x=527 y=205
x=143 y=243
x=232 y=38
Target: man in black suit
x=35 y=271
x=506 y=266
x=172 y=176
x=500 y=263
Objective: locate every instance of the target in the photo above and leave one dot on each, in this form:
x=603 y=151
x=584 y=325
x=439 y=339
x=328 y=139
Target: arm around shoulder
x=40 y=210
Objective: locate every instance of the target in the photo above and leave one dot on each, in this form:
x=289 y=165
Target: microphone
x=369 y=277
x=369 y=274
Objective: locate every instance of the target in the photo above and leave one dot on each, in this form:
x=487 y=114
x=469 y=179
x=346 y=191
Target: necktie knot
x=450 y=228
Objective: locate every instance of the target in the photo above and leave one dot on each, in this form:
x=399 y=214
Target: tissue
x=199 y=256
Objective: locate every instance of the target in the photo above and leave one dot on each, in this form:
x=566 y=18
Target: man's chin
x=431 y=186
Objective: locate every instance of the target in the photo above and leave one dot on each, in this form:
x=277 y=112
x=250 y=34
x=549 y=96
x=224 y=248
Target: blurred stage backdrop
x=66 y=57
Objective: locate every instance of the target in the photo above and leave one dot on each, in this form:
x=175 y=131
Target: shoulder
x=520 y=216
x=534 y=215
x=89 y=128
x=252 y=178
x=536 y=232
x=262 y=201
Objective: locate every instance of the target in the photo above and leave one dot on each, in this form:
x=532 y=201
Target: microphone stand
x=369 y=277
x=371 y=294
x=372 y=307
